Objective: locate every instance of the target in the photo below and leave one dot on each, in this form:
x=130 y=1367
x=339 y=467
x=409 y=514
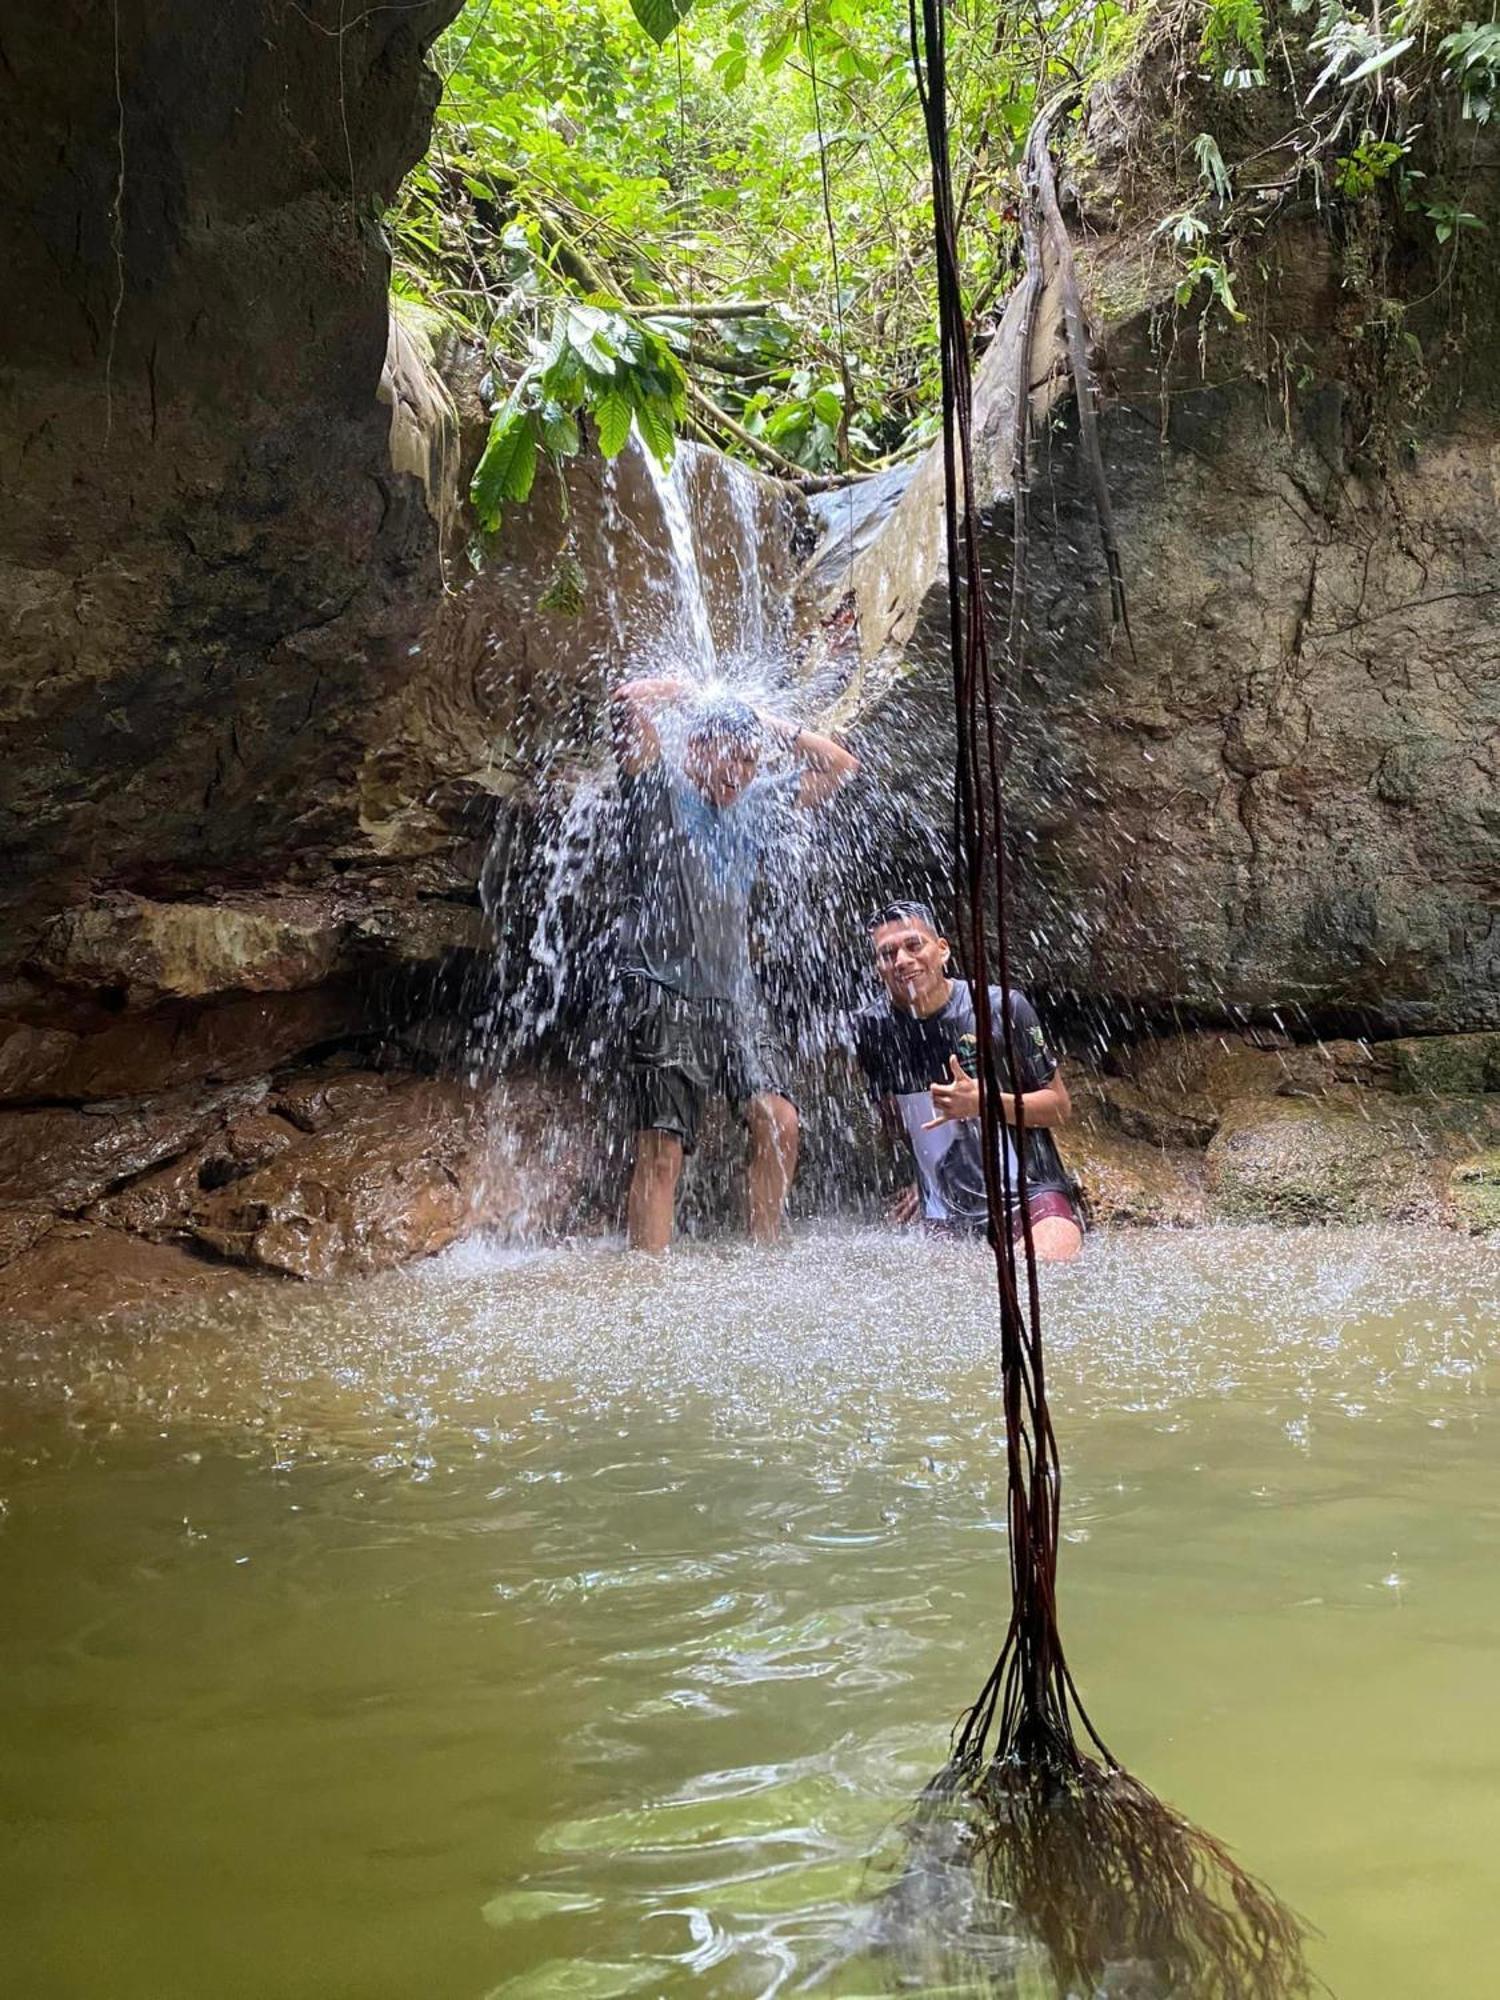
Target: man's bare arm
x=633 y=706
x=826 y=764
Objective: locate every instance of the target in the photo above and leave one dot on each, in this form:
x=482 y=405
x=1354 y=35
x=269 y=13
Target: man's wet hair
x=726 y=724
x=904 y=912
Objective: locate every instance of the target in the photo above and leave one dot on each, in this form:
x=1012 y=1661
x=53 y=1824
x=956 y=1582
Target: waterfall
x=692 y=588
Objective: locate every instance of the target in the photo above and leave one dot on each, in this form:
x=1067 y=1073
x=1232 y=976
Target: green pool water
x=555 y=1625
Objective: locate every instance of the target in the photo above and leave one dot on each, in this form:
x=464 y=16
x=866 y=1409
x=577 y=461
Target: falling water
x=714 y=620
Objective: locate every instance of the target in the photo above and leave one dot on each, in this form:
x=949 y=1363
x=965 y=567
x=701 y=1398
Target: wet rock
x=20 y=1228
x=1447 y=1065
x=1130 y=1181
x=168 y=1047
x=1313 y=1069
x=329 y=1097
x=213 y=571
x=166 y=1203
x=81 y=1271
x=1280 y=794
x=1474 y=1187
x=185 y=951
x=395 y=1179
x=1293 y=1160
x=65 y=1158
x=30 y=1057
x=1188 y=1120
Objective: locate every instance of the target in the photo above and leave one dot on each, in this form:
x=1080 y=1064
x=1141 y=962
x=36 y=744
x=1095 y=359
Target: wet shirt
x=902 y=1056
x=690 y=868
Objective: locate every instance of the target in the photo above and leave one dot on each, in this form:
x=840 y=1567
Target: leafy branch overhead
x=651 y=215
x=596 y=364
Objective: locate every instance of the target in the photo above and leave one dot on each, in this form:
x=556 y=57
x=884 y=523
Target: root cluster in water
x=1083 y=1876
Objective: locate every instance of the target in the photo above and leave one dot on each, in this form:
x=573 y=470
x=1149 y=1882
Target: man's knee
x=658 y=1156
x=1056 y=1240
x=773 y=1123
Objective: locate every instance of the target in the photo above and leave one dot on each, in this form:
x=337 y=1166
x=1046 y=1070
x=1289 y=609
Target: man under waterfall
x=703 y=783
x=917 y=1046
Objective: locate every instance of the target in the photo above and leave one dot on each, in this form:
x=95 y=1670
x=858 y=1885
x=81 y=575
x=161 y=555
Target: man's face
x=910 y=959
x=720 y=770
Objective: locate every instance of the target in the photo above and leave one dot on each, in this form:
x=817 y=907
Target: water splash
x=713 y=614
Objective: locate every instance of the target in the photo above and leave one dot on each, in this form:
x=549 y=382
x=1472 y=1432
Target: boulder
x=1130 y=1181
x=164 y=1204
x=64 y=1158
x=1294 y=1160
x=1447 y=1065
x=393 y=1175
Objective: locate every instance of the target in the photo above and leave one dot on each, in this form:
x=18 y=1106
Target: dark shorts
x=683 y=1052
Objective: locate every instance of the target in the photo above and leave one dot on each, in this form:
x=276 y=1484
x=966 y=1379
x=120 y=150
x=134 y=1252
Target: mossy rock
x=1447 y=1065
x=1475 y=1189
x=1128 y=1181
x=1297 y=1160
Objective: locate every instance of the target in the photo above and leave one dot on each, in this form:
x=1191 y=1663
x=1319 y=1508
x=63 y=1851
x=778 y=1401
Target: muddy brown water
x=551 y=1624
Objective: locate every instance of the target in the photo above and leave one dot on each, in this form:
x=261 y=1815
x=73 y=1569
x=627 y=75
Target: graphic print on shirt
x=903 y=1055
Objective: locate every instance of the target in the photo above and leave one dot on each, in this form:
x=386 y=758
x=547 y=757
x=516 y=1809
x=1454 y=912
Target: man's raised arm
x=632 y=710
x=826 y=764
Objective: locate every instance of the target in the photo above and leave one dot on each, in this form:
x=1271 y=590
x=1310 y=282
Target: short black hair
x=726 y=724
x=904 y=912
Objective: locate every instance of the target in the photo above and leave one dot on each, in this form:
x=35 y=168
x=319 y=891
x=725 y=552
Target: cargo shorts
x=682 y=1052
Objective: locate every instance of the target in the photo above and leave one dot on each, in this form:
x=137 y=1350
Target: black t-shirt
x=902 y=1056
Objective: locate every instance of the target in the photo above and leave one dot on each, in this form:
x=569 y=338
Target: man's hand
x=904 y=1208
x=956 y=1099
x=825 y=764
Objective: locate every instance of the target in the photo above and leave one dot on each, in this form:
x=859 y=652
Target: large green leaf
x=660 y=17
x=654 y=421
x=506 y=467
x=559 y=430
x=612 y=415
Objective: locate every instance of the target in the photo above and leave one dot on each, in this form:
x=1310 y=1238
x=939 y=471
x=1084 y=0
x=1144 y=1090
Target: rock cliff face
x=258 y=715
x=1283 y=794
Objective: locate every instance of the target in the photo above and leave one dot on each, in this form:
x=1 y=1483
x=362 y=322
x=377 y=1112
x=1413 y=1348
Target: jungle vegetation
x=714 y=215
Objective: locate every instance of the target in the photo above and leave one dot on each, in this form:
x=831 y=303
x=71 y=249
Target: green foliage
x=1473 y=63
x=1448 y=217
x=597 y=362
x=1234 y=42
x=1352 y=49
x=1211 y=165
x=611 y=168
x=660 y=17
x=574 y=157
x=1360 y=172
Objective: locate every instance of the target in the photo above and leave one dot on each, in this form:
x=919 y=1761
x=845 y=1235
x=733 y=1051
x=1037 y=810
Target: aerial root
x=1080 y=1874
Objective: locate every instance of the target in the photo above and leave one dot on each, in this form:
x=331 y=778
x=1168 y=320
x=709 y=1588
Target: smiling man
x=703 y=783
x=917 y=1046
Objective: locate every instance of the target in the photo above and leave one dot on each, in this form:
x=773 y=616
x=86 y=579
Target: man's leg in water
x=772 y=1120
x=652 y=1201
